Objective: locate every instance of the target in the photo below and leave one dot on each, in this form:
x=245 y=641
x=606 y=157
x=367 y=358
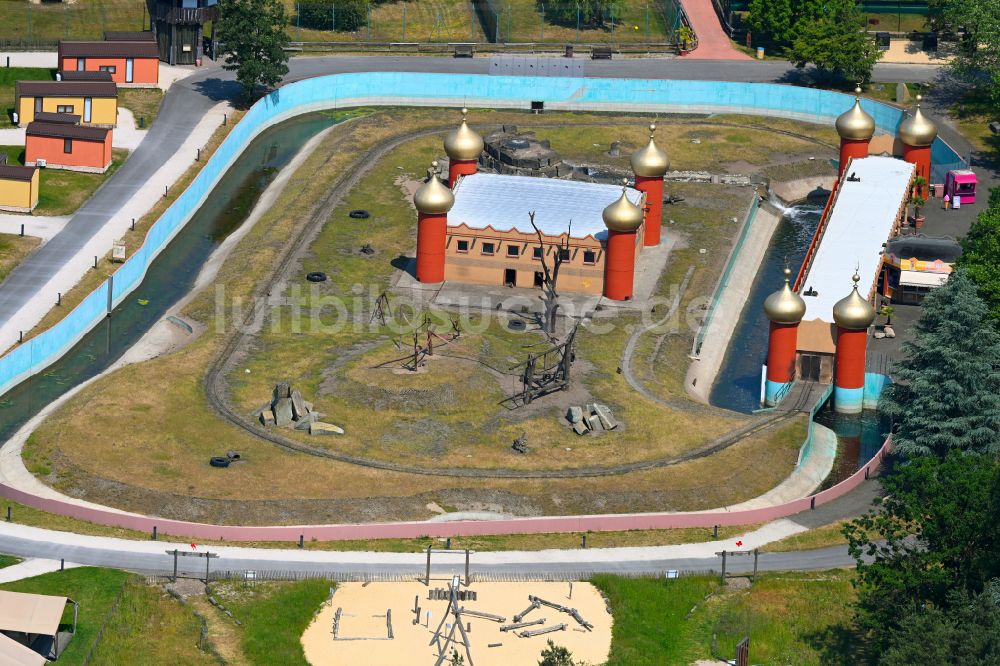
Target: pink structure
x=412 y=530
x=961 y=182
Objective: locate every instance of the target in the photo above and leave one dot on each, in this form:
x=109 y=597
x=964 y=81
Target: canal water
x=738 y=384
x=173 y=272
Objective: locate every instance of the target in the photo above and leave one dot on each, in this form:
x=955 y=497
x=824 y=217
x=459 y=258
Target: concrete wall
x=730 y=299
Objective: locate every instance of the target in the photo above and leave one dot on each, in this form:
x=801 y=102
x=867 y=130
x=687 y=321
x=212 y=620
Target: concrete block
x=580 y=428
x=281 y=390
x=608 y=421
x=320 y=428
x=283 y=412
x=594 y=422
x=267 y=418
x=298 y=405
x=574 y=414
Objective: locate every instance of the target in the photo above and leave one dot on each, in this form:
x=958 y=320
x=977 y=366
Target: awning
x=921 y=279
x=31 y=613
x=13 y=653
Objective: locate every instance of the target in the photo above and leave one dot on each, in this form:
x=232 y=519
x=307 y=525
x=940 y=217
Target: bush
x=319 y=15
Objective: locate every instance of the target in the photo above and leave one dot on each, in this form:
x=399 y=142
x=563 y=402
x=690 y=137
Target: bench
x=465 y=50
x=600 y=53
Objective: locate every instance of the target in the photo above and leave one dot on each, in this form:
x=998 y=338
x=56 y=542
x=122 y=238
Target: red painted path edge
x=409 y=530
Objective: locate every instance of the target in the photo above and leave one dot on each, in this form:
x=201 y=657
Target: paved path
x=29 y=291
x=30 y=568
x=151 y=556
x=39 y=226
x=713 y=42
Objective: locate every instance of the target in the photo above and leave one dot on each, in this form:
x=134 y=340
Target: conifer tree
x=946 y=391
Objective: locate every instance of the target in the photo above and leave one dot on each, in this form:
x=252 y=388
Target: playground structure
x=474 y=620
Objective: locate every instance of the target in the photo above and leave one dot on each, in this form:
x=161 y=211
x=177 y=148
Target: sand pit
x=363 y=631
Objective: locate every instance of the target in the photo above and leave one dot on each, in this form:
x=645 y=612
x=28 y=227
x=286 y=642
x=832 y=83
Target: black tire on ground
x=219 y=461
x=316 y=276
x=360 y=214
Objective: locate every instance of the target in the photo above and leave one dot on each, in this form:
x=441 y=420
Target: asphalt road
x=182 y=109
x=560 y=564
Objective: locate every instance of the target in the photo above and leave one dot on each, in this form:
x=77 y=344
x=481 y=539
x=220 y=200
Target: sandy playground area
x=363 y=626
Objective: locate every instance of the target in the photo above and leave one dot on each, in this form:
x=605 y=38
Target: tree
x=550 y=277
x=771 y=22
x=589 y=12
x=980 y=252
x=946 y=390
x=968 y=632
x=887 y=311
x=320 y=14
x=835 y=42
x=978 y=61
x=556 y=655
x=252 y=34
x=935 y=534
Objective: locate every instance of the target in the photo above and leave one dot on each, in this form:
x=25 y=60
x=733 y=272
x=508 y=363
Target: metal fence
x=285 y=575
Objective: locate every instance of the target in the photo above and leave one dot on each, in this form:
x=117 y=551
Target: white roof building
x=503 y=202
x=862 y=219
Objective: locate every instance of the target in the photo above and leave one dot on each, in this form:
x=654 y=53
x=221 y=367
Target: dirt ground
x=363 y=629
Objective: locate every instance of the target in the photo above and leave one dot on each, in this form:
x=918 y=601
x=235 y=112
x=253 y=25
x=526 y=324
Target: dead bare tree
x=550 y=294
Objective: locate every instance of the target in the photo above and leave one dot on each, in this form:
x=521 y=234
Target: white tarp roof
x=922 y=279
x=860 y=222
x=503 y=202
x=13 y=653
x=31 y=613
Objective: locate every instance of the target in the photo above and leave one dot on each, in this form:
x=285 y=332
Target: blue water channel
x=737 y=388
x=171 y=275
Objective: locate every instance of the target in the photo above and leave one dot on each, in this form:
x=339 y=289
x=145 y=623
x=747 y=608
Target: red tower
x=433 y=201
x=623 y=219
x=917 y=132
x=853 y=315
x=785 y=309
x=463 y=147
x=650 y=164
x=856 y=129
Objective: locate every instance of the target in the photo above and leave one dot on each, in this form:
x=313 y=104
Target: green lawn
x=649 y=626
x=10 y=75
x=13 y=250
x=142 y=102
x=94 y=589
x=63 y=192
x=146 y=627
x=798 y=619
x=8 y=560
x=46 y=23
x=273 y=617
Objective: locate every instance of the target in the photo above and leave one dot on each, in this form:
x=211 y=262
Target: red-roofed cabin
x=58 y=143
x=129 y=63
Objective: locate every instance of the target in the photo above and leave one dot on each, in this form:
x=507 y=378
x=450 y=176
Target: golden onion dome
x=855 y=124
x=785 y=306
x=918 y=130
x=433 y=197
x=623 y=215
x=463 y=143
x=854 y=312
x=650 y=161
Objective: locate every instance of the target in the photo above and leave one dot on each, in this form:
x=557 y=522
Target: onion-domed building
x=477 y=228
